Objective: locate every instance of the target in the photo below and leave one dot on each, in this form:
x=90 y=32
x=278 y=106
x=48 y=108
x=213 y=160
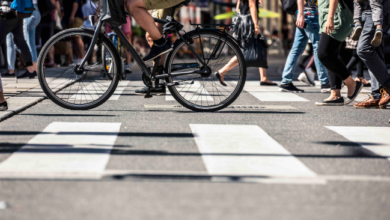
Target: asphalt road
x=284 y=159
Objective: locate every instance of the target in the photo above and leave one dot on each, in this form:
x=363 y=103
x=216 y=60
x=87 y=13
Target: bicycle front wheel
x=204 y=92
x=64 y=83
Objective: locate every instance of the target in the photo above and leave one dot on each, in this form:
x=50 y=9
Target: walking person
x=10 y=23
x=29 y=27
x=355 y=61
x=307 y=28
x=247 y=30
x=335 y=20
x=373 y=56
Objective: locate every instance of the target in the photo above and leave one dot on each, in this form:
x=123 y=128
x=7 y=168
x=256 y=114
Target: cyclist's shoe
x=127 y=68
x=160 y=90
x=157 y=51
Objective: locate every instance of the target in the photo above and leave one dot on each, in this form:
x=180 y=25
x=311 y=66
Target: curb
x=28 y=102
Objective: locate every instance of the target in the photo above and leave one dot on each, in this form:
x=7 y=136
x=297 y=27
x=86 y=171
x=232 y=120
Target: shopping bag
x=255 y=52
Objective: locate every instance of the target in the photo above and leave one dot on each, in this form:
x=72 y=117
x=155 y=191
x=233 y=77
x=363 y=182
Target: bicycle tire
x=179 y=98
x=41 y=75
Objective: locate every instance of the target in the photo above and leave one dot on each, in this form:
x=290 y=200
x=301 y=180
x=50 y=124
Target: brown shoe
x=369 y=102
x=385 y=96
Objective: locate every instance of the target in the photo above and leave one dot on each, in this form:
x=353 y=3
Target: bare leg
x=351 y=85
x=334 y=94
x=137 y=9
x=11 y=71
x=2 y=99
x=232 y=63
x=263 y=75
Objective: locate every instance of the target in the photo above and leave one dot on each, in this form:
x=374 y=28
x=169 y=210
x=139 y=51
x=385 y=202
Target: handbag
x=113 y=12
x=255 y=52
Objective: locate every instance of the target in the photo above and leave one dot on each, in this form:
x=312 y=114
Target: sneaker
x=28 y=74
x=8 y=75
x=377 y=40
x=161 y=90
x=307 y=76
x=157 y=51
x=336 y=102
x=3 y=106
x=127 y=68
x=290 y=88
x=325 y=88
x=357 y=31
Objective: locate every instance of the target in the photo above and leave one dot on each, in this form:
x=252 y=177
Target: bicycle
x=188 y=69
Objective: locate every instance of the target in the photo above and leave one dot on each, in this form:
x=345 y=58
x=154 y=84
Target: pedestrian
x=248 y=9
x=307 y=28
x=377 y=17
x=374 y=57
x=10 y=23
x=73 y=18
x=335 y=20
x=355 y=61
x=29 y=28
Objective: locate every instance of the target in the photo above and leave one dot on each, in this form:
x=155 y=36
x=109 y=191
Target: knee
x=363 y=54
x=132 y=5
x=322 y=55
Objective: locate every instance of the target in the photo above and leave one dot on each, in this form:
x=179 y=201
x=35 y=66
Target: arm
x=357 y=11
x=329 y=26
x=74 y=10
x=301 y=18
x=238 y=6
x=254 y=15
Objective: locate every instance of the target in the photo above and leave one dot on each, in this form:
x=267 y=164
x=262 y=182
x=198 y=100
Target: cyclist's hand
x=300 y=21
x=257 y=30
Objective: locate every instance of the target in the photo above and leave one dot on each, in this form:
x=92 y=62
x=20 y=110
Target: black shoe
x=290 y=88
x=358 y=88
x=8 y=75
x=3 y=106
x=268 y=84
x=325 y=88
x=219 y=78
x=336 y=102
x=160 y=90
x=27 y=74
x=157 y=51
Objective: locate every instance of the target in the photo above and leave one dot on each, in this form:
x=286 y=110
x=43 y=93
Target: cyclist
x=126 y=29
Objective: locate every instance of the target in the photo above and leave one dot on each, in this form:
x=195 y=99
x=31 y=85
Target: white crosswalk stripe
x=64 y=150
x=245 y=150
x=374 y=139
x=271 y=93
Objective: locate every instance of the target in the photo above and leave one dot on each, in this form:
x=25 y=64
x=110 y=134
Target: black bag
x=289 y=6
x=114 y=12
x=255 y=52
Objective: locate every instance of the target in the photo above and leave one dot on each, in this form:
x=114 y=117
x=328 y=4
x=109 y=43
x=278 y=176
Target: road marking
x=374 y=139
x=119 y=90
x=64 y=150
x=230 y=107
x=245 y=150
x=271 y=93
x=3 y=205
x=191 y=92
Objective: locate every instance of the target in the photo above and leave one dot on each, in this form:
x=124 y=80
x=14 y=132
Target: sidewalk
x=20 y=94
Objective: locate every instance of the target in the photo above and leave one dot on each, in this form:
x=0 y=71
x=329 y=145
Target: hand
x=260 y=1
x=329 y=26
x=301 y=21
x=257 y=30
x=71 y=20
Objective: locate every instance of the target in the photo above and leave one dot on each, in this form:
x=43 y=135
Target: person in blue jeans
x=307 y=28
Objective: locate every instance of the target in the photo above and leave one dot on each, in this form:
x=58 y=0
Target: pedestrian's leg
x=296 y=51
x=11 y=53
x=22 y=45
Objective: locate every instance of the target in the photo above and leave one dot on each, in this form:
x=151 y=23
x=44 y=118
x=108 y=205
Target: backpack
x=23 y=8
x=289 y=6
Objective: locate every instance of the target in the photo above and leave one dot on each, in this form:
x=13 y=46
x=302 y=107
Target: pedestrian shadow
x=119 y=134
x=70 y=115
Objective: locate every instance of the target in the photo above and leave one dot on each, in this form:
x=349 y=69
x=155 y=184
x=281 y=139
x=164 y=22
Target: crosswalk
x=81 y=150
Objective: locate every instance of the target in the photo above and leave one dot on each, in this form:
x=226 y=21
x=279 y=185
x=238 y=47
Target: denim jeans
x=374 y=58
x=30 y=24
x=302 y=36
x=375 y=87
x=11 y=51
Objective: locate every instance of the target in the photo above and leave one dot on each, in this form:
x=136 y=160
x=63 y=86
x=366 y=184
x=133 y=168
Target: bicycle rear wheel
x=204 y=92
x=69 y=87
